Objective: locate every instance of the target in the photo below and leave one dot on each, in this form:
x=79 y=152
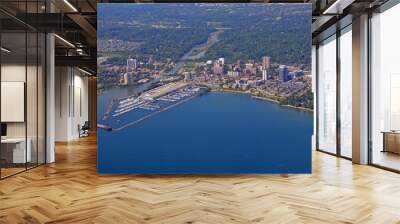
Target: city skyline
x=203 y=62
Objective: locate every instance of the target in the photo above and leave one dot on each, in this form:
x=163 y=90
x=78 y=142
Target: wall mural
x=204 y=88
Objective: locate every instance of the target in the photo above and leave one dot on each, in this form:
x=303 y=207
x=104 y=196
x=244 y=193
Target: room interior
x=385 y=90
x=53 y=92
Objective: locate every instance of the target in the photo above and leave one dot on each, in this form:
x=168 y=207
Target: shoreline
x=247 y=93
x=263 y=98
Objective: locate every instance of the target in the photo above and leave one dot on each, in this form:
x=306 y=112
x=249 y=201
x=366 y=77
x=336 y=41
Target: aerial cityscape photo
x=204 y=88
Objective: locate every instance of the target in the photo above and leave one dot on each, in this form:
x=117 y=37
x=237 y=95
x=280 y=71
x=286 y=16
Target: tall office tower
x=221 y=61
x=131 y=64
x=264 y=74
x=218 y=68
x=283 y=73
x=266 y=62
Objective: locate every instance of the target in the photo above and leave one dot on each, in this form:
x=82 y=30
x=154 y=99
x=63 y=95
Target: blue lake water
x=215 y=133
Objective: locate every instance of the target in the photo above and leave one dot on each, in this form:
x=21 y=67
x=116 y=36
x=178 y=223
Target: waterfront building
x=131 y=64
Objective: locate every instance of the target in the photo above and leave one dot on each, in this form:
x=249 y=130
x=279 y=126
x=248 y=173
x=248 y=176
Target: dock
x=150 y=103
x=152 y=114
x=109 y=110
x=105 y=127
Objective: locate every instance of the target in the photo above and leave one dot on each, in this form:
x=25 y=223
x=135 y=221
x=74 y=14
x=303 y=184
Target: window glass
x=385 y=89
x=346 y=93
x=327 y=95
x=14 y=153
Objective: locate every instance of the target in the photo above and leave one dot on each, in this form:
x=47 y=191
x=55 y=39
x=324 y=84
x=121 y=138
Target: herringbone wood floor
x=70 y=191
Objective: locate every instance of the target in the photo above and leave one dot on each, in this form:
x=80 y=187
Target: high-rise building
x=218 y=68
x=131 y=64
x=266 y=62
x=264 y=74
x=283 y=73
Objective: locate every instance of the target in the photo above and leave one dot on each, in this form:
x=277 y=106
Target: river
x=197 y=51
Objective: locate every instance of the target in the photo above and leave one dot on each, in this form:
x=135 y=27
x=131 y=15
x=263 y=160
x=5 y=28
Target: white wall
x=17 y=73
x=12 y=73
x=71 y=102
x=33 y=126
x=81 y=103
x=61 y=103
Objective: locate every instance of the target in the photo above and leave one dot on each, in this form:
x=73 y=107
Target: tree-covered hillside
x=251 y=31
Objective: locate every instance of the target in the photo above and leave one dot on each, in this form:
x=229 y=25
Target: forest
x=281 y=31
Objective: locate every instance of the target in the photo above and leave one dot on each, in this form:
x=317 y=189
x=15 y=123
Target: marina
x=127 y=111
